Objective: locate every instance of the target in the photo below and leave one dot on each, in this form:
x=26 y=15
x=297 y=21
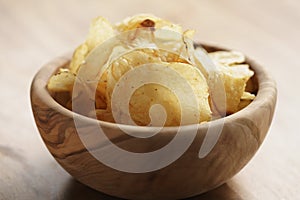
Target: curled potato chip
x=151 y=94
x=61 y=82
x=123 y=64
x=78 y=57
x=146 y=96
x=60 y=86
x=234 y=80
x=135 y=58
x=100 y=31
x=232 y=77
x=227 y=57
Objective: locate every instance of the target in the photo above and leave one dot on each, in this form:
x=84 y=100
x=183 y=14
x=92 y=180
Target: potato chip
x=164 y=55
x=243 y=104
x=100 y=96
x=227 y=57
x=133 y=59
x=61 y=82
x=100 y=31
x=78 y=57
x=247 y=96
x=124 y=64
x=234 y=79
x=150 y=94
x=103 y=115
x=60 y=86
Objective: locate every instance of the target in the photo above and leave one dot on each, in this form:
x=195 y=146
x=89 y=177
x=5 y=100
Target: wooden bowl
x=241 y=136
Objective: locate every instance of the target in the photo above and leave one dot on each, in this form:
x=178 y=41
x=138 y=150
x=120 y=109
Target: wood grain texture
x=33 y=32
x=241 y=136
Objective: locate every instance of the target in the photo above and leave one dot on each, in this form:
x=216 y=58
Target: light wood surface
x=33 y=32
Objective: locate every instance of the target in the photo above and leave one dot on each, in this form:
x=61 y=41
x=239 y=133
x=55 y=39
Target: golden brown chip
x=104 y=115
x=243 y=104
x=164 y=55
x=133 y=59
x=100 y=31
x=226 y=79
x=227 y=57
x=100 y=96
x=78 y=57
x=150 y=94
x=61 y=82
x=234 y=80
x=123 y=64
x=247 y=96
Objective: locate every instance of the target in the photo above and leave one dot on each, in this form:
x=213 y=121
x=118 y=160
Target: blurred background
x=32 y=32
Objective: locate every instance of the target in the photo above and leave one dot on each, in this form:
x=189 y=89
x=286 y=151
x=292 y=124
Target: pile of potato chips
x=227 y=68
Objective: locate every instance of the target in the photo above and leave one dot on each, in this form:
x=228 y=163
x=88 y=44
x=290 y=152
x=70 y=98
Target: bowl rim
x=264 y=80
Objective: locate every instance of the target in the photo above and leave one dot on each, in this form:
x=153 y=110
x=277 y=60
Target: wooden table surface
x=33 y=32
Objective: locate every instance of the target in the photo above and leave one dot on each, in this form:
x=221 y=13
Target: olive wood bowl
x=242 y=134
